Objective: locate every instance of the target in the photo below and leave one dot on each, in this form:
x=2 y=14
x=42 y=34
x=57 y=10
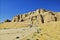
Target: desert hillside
x=40 y=24
x=40 y=16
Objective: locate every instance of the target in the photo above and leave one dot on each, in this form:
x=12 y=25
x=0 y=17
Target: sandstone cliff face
x=35 y=18
x=37 y=25
x=40 y=15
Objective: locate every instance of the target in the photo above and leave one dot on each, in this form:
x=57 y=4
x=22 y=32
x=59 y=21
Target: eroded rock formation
x=37 y=25
x=40 y=15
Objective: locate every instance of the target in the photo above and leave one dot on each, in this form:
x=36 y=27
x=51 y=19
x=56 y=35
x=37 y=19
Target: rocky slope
x=37 y=25
x=39 y=16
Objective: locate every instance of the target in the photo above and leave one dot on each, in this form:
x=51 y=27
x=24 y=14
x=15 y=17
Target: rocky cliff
x=37 y=25
x=40 y=15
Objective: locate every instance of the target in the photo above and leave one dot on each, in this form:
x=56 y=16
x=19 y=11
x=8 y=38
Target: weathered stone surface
x=47 y=16
x=37 y=17
x=57 y=15
x=37 y=25
x=41 y=15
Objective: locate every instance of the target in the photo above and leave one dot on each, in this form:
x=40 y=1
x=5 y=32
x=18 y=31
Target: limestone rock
x=57 y=15
x=40 y=15
x=37 y=25
x=47 y=16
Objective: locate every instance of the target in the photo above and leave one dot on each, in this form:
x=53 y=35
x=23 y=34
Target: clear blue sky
x=10 y=8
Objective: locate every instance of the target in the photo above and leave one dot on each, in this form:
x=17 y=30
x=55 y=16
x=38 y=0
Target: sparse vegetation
x=7 y=20
x=17 y=37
